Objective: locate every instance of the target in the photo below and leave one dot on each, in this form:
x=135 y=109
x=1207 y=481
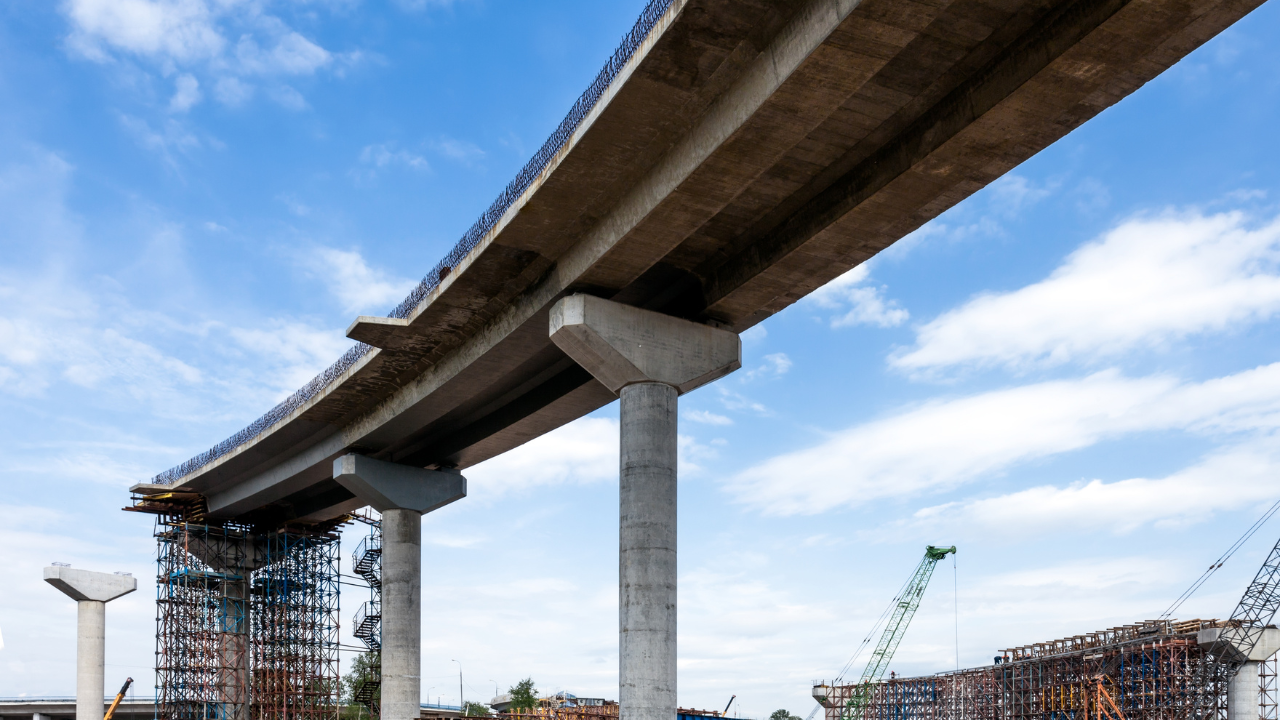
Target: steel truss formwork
x=295 y=627
x=1149 y=670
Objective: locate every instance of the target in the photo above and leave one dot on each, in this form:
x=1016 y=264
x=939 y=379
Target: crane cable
x=1186 y=595
x=874 y=632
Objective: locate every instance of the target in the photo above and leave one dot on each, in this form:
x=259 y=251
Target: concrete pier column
x=402 y=494
x=649 y=360
x=1242 y=692
x=91 y=591
x=401 y=613
x=647 y=552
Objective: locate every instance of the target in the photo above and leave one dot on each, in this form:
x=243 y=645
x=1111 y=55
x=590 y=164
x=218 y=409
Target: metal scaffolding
x=1149 y=670
x=202 y=633
x=367 y=623
x=246 y=618
x=295 y=627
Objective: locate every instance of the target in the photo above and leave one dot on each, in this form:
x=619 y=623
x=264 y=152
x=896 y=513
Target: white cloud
x=186 y=93
x=582 y=452
x=459 y=150
x=1190 y=495
x=857 y=304
x=774 y=365
x=356 y=285
x=386 y=155
x=289 y=98
x=232 y=91
x=176 y=30
x=190 y=37
x=290 y=54
x=946 y=443
x=1144 y=284
x=295 y=352
x=706 y=418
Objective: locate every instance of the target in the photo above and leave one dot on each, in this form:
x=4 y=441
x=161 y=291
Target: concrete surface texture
x=747 y=154
x=619 y=344
x=91 y=591
x=401 y=613
x=386 y=486
x=647 y=553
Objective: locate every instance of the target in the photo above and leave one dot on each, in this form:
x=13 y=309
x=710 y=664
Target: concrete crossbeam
x=386 y=486
x=649 y=359
x=620 y=345
x=91 y=591
x=402 y=494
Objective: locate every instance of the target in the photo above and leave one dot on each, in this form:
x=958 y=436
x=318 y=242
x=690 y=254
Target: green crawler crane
x=904 y=608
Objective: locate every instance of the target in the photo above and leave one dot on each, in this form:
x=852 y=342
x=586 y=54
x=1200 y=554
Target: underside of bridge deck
x=746 y=154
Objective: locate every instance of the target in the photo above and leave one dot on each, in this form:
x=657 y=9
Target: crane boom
x=1255 y=611
x=904 y=608
x=906 y=605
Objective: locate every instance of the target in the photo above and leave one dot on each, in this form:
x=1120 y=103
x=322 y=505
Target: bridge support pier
x=1242 y=691
x=649 y=359
x=402 y=494
x=91 y=591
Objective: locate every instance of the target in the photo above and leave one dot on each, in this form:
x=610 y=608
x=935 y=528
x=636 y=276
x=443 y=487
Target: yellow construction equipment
x=119 y=696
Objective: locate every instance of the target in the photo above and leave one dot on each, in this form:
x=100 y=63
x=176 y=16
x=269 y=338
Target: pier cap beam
x=91 y=591
x=88 y=585
x=402 y=493
x=649 y=360
x=1268 y=643
x=622 y=345
x=388 y=486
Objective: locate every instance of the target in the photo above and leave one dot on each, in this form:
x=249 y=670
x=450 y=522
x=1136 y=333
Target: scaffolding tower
x=246 y=616
x=295 y=627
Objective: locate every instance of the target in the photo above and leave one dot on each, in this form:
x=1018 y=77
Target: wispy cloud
x=356 y=285
x=1148 y=282
x=584 y=451
x=195 y=37
x=1190 y=495
x=857 y=303
x=947 y=443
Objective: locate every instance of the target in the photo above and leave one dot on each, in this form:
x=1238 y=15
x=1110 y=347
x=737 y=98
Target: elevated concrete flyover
x=745 y=154
x=731 y=158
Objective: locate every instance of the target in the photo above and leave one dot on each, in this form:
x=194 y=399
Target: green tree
x=475 y=709
x=783 y=715
x=363 y=667
x=524 y=696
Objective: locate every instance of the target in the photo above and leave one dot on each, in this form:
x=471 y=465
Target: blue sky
x=1071 y=375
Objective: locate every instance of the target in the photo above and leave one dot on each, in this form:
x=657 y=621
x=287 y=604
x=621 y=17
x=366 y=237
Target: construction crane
x=1241 y=633
x=119 y=696
x=903 y=608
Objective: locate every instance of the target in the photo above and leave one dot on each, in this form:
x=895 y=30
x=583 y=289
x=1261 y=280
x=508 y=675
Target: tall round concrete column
x=401 y=614
x=649 y=359
x=647 y=553
x=91 y=591
x=91 y=655
x=1242 y=694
